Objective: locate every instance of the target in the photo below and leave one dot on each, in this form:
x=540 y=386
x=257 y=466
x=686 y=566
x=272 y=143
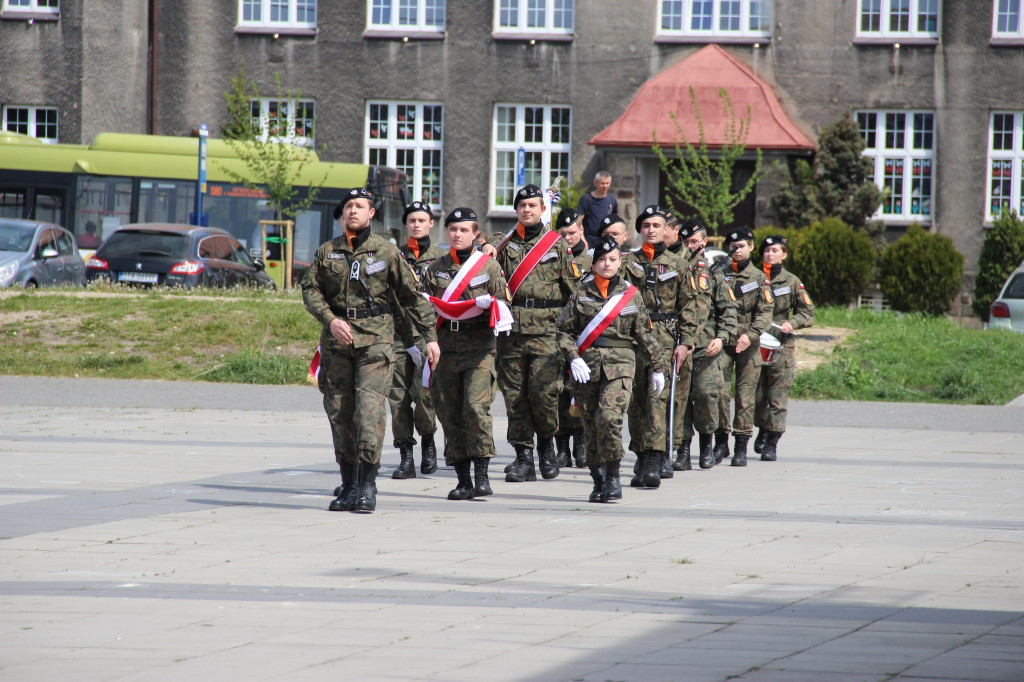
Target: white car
x=1007 y=311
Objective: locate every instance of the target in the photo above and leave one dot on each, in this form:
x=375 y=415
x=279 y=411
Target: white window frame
x=33 y=120
x=522 y=10
x=291 y=136
x=1014 y=157
x=687 y=34
x=1006 y=8
x=908 y=212
x=290 y=26
x=30 y=9
x=546 y=148
x=414 y=139
x=885 y=34
x=394 y=28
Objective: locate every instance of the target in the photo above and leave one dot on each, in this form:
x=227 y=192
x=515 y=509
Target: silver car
x=35 y=254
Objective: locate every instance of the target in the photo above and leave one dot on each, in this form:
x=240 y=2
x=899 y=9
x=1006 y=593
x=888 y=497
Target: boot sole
x=482 y=493
x=402 y=477
x=516 y=479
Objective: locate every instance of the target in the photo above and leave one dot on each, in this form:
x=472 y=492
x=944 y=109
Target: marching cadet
x=671 y=299
x=418 y=219
x=570 y=424
x=598 y=330
x=355 y=285
x=753 y=317
x=541 y=278
x=717 y=332
x=464 y=386
x=793 y=310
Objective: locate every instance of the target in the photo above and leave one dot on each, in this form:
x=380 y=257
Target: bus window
x=166 y=201
x=105 y=201
x=49 y=207
x=12 y=204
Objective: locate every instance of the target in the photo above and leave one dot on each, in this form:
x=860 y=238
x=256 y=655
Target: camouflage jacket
x=339 y=281
x=753 y=300
x=721 y=305
x=791 y=304
x=630 y=330
x=584 y=260
x=476 y=333
x=670 y=295
x=404 y=336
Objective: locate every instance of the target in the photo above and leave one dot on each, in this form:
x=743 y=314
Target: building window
x=902 y=19
x=524 y=19
x=405 y=17
x=705 y=20
x=38 y=122
x=543 y=133
x=408 y=136
x=1006 y=21
x=902 y=146
x=284 y=120
x=1005 y=164
x=270 y=16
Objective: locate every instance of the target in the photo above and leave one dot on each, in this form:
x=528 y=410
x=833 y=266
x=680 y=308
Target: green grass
x=915 y=358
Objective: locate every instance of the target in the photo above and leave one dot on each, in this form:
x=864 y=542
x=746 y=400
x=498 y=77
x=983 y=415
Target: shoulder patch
x=731 y=295
x=575 y=270
x=768 y=295
x=807 y=299
x=702 y=281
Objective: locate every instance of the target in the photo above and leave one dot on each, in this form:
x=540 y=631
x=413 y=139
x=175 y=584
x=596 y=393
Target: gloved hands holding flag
x=484 y=301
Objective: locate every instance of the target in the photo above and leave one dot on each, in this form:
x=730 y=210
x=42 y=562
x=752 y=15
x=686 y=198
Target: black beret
x=610 y=220
x=417 y=207
x=690 y=227
x=740 y=234
x=652 y=210
x=604 y=247
x=669 y=216
x=459 y=215
x=566 y=217
x=354 y=193
x=774 y=239
x=528 y=192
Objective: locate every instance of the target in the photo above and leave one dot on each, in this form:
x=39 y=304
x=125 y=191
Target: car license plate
x=140 y=277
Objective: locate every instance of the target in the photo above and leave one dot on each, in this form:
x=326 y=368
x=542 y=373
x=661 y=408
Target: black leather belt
x=601 y=342
x=466 y=325
x=360 y=313
x=534 y=304
x=663 y=317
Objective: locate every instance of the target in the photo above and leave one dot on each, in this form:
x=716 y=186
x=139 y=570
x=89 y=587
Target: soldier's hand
x=416 y=355
x=742 y=343
x=433 y=353
x=341 y=331
x=484 y=301
x=657 y=382
x=679 y=356
x=713 y=348
x=580 y=370
x=489 y=250
x=786 y=327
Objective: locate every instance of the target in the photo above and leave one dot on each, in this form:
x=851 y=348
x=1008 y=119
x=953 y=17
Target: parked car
x=152 y=254
x=35 y=254
x=1007 y=311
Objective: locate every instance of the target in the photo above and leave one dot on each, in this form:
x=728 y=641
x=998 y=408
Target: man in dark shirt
x=594 y=206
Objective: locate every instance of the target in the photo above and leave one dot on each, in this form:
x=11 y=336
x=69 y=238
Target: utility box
x=276 y=245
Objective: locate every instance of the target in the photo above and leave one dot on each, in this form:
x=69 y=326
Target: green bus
x=123 y=178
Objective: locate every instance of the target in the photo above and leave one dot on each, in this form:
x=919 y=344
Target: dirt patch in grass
x=816 y=344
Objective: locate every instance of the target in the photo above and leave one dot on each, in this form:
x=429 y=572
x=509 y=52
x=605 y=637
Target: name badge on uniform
x=628 y=310
x=353 y=274
x=376 y=267
x=665 y=276
x=479 y=279
x=586 y=299
x=335 y=256
x=548 y=256
x=782 y=291
x=442 y=275
x=514 y=247
x=749 y=286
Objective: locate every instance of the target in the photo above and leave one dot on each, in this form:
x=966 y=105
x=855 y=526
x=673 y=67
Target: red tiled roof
x=707 y=70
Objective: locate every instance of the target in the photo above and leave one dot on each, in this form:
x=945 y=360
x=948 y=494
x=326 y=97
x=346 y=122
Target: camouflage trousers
x=603 y=401
x=567 y=422
x=410 y=406
x=463 y=389
x=355 y=383
x=773 y=391
x=683 y=379
x=705 y=387
x=747 y=367
x=530 y=377
x=647 y=412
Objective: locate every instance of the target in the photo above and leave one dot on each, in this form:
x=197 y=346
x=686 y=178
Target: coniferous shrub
x=921 y=272
x=1001 y=252
x=836 y=261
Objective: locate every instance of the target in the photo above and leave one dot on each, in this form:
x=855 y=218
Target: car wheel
x=31 y=284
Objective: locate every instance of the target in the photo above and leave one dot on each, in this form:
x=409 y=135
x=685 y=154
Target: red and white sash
x=527 y=265
x=605 y=316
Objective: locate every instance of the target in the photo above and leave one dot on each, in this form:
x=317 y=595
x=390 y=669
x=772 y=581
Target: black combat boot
x=682 y=462
x=707 y=455
x=562 y=448
x=428 y=463
x=464 y=490
x=345 y=494
x=770 y=451
x=762 y=436
x=611 y=470
x=366 y=484
x=638 y=470
x=522 y=469
x=548 y=458
x=600 y=476
x=482 y=485
x=407 y=465
x=664 y=464
x=739 y=457
x=579 y=448
x=649 y=474
x=721 y=446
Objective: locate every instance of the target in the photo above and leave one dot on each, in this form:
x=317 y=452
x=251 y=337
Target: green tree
x=705 y=181
x=921 y=272
x=835 y=261
x=268 y=147
x=1001 y=252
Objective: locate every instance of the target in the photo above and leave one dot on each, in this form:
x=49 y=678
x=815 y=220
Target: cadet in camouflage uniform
x=353 y=287
x=718 y=331
x=464 y=380
x=671 y=299
x=570 y=424
x=753 y=316
x=793 y=310
x=529 y=364
x=603 y=374
x=418 y=252
x=681 y=447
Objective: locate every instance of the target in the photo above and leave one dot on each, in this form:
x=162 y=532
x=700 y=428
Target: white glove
x=416 y=355
x=484 y=301
x=580 y=370
x=658 y=382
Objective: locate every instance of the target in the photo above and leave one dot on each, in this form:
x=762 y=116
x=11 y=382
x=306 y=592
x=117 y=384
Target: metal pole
x=204 y=132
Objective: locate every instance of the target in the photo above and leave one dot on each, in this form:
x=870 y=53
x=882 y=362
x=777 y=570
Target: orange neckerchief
x=521 y=230
x=350 y=236
x=602 y=284
x=767 y=271
x=648 y=251
x=455 y=256
x=414 y=246
x=735 y=268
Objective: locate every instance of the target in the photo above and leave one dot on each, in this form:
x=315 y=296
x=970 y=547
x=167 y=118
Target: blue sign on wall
x=520 y=167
